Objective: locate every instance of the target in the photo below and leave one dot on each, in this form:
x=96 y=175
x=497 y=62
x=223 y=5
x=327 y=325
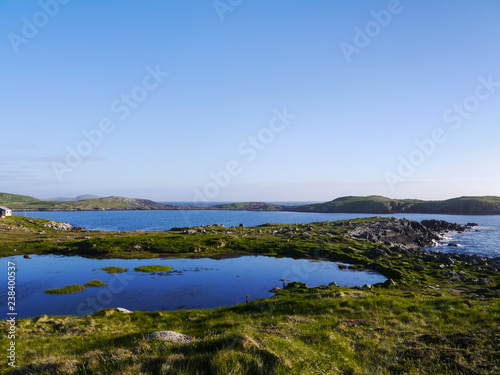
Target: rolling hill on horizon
x=23 y=202
x=373 y=204
x=487 y=205
x=78 y=198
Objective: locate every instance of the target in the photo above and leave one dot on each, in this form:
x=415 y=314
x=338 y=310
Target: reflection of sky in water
x=201 y=283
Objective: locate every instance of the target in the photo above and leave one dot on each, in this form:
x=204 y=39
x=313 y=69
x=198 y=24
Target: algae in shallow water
x=153 y=269
x=95 y=284
x=113 y=269
x=68 y=289
x=74 y=288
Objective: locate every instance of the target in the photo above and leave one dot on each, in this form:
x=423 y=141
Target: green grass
x=332 y=330
x=114 y=270
x=153 y=269
x=95 y=284
x=68 y=289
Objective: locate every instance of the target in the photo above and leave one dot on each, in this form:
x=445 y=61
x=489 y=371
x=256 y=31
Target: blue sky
x=187 y=95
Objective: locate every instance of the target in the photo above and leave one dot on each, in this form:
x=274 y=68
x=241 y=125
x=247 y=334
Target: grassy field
x=420 y=322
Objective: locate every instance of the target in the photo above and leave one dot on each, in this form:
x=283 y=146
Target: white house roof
x=2 y=208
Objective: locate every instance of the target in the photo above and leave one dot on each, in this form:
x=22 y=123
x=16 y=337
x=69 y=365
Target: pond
x=192 y=284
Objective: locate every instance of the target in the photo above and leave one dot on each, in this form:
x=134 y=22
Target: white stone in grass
x=122 y=310
x=170 y=336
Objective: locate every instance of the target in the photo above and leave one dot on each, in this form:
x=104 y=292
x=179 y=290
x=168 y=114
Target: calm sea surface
x=486 y=242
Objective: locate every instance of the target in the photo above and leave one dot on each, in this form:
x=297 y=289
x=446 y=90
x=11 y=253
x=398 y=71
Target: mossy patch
x=114 y=270
x=68 y=289
x=75 y=288
x=95 y=284
x=153 y=269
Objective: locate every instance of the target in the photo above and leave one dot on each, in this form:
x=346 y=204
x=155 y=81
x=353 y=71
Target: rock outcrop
x=404 y=233
x=443 y=226
x=124 y=311
x=408 y=237
x=59 y=226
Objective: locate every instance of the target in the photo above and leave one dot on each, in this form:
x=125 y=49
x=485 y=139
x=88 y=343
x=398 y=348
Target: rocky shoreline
x=406 y=233
x=405 y=237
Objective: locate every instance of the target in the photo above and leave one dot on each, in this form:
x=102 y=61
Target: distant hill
x=23 y=202
x=370 y=204
x=112 y=203
x=109 y=203
x=8 y=199
x=87 y=196
x=14 y=201
x=79 y=198
x=250 y=206
x=488 y=205
x=91 y=203
x=374 y=204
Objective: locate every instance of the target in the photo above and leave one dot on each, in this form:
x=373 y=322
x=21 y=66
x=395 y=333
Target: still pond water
x=193 y=283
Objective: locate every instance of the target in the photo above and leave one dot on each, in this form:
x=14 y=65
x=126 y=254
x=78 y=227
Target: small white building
x=4 y=212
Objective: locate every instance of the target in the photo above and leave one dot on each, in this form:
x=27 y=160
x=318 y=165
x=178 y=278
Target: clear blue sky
x=360 y=101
